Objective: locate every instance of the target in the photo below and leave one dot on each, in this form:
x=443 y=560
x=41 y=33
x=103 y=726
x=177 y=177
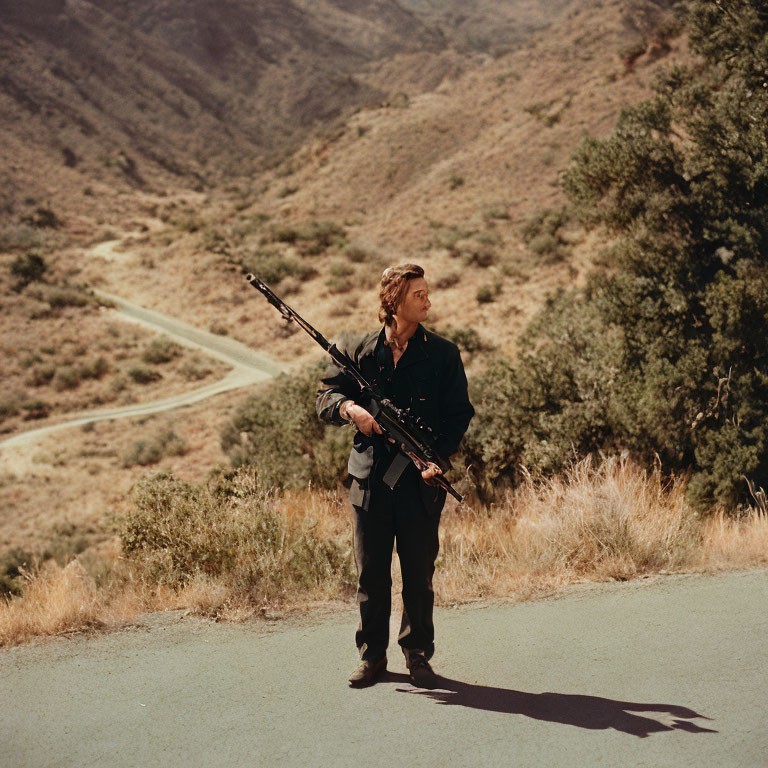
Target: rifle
x=414 y=439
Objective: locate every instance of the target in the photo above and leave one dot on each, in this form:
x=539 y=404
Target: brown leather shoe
x=421 y=674
x=367 y=672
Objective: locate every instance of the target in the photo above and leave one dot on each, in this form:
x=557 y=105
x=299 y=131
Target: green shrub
x=279 y=435
x=66 y=377
x=142 y=375
x=542 y=234
x=663 y=353
x=161 y=350
x=229 y=529
x=151 y=450
x=28 y=268
x=12 y=563
x=467 y=338
x=42 y=218
x=273 y=267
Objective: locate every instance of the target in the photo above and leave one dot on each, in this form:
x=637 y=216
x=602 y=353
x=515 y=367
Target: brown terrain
x=175 y=147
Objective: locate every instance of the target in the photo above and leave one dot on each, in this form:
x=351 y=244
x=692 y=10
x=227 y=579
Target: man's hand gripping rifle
x=411 y=435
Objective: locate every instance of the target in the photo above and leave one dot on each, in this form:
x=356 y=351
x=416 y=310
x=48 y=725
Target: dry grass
x=596 y=523
x=614 y=521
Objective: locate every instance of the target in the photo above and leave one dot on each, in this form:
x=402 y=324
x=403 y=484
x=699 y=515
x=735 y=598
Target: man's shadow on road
x=591 y=712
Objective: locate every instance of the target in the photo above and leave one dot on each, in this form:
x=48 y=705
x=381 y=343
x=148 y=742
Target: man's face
x=415 y=304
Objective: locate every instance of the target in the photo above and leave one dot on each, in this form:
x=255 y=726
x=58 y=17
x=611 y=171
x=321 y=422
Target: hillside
x=448 y=177
x=156 y=93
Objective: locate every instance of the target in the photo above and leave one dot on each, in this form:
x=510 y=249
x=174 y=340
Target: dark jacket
x=429 y=379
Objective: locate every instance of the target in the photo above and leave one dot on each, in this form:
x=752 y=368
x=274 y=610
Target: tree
x=665 y=352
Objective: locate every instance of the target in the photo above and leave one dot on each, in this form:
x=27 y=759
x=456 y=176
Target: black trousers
x=395 y=516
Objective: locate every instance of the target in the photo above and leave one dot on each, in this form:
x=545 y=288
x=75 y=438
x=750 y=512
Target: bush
x=19 y=237
x=42 y=218
x=142 y=375
x=41 y=375
x=447 y=281
x=194 y=370
x=480 y=257
x=66 y=377
x=272 y=267
x=662 y=354
x=467 y=338
x=487 y=293
x=340 y=269
x=12 y=563
x=313 y=238
x=279 y=435
x=229 y=529
x=339 y=284
x=356 y=254
x=60 y=296
x=161 y=350
x=27 y=268
x=542 y=234
x=151 y=450
x=9 y=406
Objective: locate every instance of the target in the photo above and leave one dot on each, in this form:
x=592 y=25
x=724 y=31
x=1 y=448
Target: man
x=394 y=502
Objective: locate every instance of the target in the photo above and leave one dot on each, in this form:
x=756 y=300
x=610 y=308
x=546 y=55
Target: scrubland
x=232 y=550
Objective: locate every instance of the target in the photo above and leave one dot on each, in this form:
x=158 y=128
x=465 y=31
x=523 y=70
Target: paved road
x=647 y=674
x=248 y=367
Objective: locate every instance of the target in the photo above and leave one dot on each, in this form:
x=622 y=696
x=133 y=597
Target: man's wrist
x=344 y=410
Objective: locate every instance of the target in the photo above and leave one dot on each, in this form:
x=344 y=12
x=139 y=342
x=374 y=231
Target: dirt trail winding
x=248 y=367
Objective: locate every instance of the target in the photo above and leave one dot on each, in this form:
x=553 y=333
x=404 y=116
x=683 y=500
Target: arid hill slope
x=156 y=92
x=448 y=177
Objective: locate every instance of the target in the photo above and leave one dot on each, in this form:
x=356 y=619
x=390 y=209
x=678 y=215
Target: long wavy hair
x=394 y=282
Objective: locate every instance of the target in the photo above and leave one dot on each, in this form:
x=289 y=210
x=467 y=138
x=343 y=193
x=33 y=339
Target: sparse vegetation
x=272 y=267
x=27 y=268
x=312 y=239
x=143 y=375
x=150 y=450
x=279 y=435
x=542 y=234
x=161 y=350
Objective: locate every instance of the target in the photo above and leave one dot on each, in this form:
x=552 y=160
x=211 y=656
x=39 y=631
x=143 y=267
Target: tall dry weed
x=613 y=520
x=56 y=600
x=231 y=550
